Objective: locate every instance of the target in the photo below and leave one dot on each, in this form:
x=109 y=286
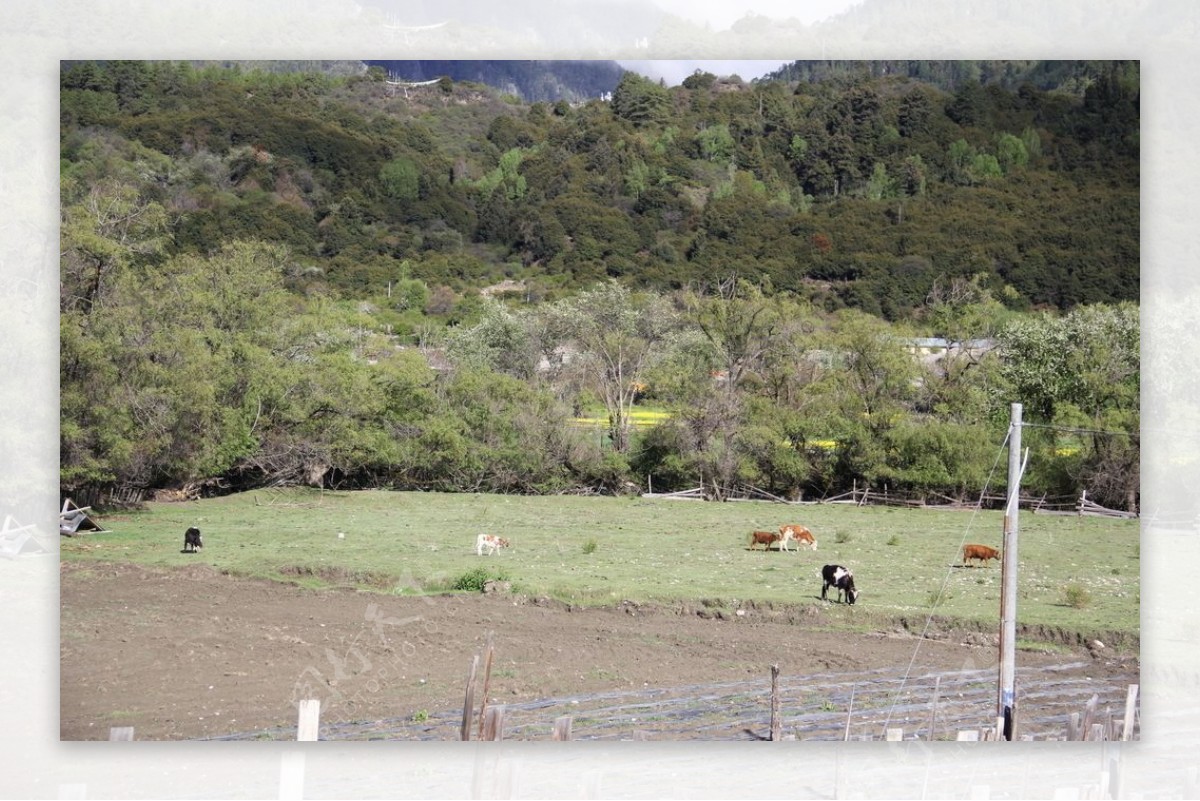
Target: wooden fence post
x=776 y=723
x=1130 y=710
x=487 y=679
x=464 y=732
x=493 y=724
x=1089 y=717
x=937 y=684
x=849 y=712
x=562 y=728
x=308 y=722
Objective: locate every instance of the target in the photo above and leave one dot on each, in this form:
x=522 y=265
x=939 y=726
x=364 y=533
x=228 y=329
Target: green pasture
x=599 y=550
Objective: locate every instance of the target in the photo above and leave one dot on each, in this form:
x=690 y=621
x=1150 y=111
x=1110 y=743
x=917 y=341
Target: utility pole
x=1006 y=699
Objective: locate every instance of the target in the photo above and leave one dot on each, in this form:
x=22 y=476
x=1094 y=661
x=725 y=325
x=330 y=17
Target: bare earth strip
x=192 y=654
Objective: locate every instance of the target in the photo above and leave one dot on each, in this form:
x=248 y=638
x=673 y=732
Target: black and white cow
x=192 y=541
x=842 y=578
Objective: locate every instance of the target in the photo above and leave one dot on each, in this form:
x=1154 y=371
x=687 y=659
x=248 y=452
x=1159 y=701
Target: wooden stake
x=937 y=684
x=469 y=701
x=849 y=712
x=776 y=723
x=562 y=728
x=1130 y=708
x=493 y=725
x=1089 y=716
x=487 y=679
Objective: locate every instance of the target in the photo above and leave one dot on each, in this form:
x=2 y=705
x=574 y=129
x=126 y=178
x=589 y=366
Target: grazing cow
x=980 y=552
x=491 y=542
x=765 y=538
x=842 y=578
x=192 y=541
x=799 y=533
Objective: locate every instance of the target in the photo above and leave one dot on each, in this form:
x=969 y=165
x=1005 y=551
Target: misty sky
x=673 y=72
x=721 y=14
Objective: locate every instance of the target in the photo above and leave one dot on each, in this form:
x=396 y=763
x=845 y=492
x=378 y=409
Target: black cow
x=840 y=577
x=192 y=541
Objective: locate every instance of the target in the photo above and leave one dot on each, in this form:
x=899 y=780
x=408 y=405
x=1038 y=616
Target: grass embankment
x=593 y=551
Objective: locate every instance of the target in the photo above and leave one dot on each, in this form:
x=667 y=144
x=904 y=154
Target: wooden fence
x=489 y=723
x=869 y=496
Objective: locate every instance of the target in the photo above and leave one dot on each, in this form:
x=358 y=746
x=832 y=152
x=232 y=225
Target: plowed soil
x=194 y=654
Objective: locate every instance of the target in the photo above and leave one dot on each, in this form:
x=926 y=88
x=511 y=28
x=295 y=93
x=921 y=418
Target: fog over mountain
x=674 y=71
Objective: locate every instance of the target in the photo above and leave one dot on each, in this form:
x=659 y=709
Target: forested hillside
x=279 y=276
x=529 y=80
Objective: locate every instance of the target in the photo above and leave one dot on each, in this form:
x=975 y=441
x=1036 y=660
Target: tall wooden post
x=776 y=721
x=1008 y=594
x=469 y=701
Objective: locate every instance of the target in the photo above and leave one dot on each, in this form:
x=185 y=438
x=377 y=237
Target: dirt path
x=193 y=654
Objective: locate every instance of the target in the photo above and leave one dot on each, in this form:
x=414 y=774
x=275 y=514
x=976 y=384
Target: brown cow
x=980 y=552
x=799 y=533
x=766 y=538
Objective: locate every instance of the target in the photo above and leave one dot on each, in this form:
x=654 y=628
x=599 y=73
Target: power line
x=1072 y=430
x=946 y=579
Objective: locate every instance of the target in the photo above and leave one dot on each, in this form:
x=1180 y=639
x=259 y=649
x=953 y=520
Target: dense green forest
x=326 y=278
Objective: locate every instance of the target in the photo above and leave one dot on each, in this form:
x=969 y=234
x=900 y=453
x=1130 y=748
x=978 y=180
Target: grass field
x=1077 y=574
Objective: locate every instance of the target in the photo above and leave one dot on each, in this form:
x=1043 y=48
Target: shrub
x=843 y=536
x=474 y=579
x=1076 y=596
x=936 y=597
x=590 y=546
x=894 y=540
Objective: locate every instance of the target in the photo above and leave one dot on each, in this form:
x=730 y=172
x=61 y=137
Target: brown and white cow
x=798 y=533
x=766 y=539
x=980 y=552
x=491 y=542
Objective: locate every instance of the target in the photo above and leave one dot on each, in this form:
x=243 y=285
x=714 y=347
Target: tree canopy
x=309 y=277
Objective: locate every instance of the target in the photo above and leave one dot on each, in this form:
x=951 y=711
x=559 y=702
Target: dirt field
x=194 y=654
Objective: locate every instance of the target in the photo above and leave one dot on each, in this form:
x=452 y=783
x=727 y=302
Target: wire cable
x=946 y=579
x=1072 y=430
